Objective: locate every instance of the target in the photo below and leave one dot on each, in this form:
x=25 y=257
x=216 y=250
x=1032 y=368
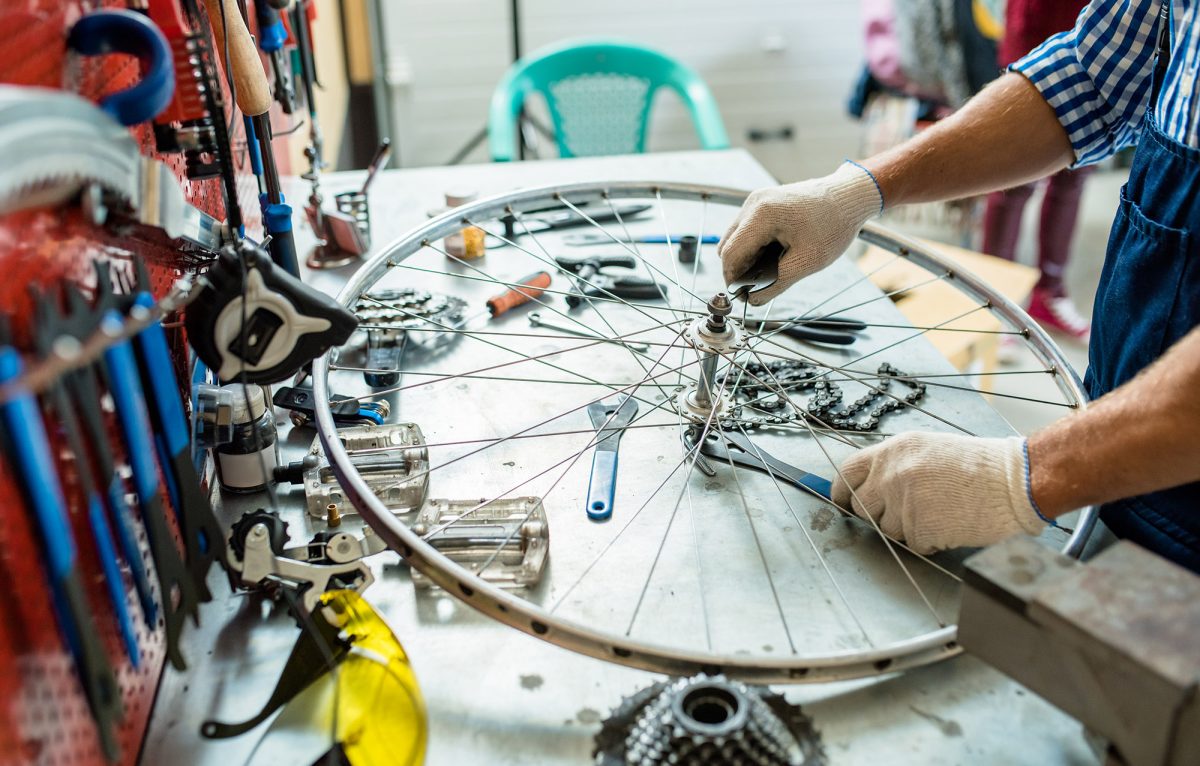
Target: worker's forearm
x=1139 y=438
x=1006 y=136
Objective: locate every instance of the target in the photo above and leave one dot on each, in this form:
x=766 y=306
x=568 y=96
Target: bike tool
x=592 y=281
x=253 y=322
x=59 y=404
x=838 y=331
x=174 y=579
x=531 y=287
x=733 y=447
x=561 y=217
x=202 y=536
x=345 y=233
x=592 y=238
x=23 y=436
x=271 y=37
x=122 y=31
x=609 y=420
x=253 y=96
x=763 y=273
x=83 y=386
x=536 y=320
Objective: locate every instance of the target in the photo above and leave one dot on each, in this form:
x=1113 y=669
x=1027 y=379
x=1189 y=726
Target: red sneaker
x=1058 y=312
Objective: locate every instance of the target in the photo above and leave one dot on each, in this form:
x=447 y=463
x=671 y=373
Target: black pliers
x=838 y=331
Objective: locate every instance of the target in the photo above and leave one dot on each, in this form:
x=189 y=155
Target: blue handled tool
x=203 y=537
x=641 y=239
x=23 y=436
x=271 y=37
x=83 y=387
x=59 y=404
x=735 y=447
x=124 y=31
x=174 y=580
x=610 y=421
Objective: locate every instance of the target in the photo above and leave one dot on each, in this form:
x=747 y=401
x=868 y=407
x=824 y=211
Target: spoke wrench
x=733 y=447
x=610 y=421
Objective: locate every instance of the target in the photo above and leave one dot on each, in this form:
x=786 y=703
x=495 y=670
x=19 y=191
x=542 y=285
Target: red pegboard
x=44 y=717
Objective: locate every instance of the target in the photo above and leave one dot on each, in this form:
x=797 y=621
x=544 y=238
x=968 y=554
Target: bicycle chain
x=762 y=396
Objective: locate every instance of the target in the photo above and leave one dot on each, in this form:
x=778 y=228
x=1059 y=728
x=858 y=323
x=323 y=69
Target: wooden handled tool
x=243 y=64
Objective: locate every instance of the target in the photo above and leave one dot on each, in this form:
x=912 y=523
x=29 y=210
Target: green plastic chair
x=599 y=93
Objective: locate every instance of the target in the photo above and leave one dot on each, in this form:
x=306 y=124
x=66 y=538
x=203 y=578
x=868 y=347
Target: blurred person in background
x=1027 y=23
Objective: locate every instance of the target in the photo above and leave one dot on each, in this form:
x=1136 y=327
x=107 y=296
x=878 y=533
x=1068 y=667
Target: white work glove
x=815 y=221
x=938 y=491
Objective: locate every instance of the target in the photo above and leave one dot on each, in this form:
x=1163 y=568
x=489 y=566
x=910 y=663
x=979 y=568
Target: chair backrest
x=599 y=93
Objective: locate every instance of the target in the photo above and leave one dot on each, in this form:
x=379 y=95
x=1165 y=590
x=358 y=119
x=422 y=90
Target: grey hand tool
x=535 y=320
x=57 y=144
x=731 y=446
x=593 y=281
x=610 y=421
x=761 y=275
x=24 y=442
x=838 y=331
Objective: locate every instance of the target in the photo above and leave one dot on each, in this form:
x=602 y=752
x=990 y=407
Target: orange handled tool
x=518 y=296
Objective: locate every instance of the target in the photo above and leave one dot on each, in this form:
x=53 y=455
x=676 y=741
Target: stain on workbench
x=588 y=716
x=820 y=519
x=949 y=728
x=532 y=682
x=849 y=536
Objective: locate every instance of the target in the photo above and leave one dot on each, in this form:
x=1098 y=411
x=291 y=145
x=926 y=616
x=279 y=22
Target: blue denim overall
x=1148 y=298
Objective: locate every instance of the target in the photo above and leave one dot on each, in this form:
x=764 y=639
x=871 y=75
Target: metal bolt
x=718 y=308
x=333 y=517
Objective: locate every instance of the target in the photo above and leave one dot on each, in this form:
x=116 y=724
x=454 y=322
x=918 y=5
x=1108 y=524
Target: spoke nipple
x=333 y=516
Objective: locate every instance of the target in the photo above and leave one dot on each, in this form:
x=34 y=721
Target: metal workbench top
x=496 y=696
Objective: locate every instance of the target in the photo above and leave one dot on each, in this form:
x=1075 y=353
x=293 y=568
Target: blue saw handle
x=124 y=31
x=603 y=485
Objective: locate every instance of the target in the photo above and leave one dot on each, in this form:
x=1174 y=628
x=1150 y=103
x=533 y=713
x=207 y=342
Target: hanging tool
x=83 y=386
x=591 y=281
x=271 y=37
x=732 y=446
x=121 y=31
x=299 y=17
x=202 y=535
x=23 y=436
x=532 y=286
x=255 y=323
x=59 y=403
x=592 y=238
x=609 y=420
x=253 y=96
x=56 y=145
x=126 y=389
x=761 y=275
x=837 y=331
x=536 y=320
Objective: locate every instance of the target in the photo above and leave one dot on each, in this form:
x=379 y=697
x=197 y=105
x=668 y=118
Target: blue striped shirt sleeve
x=1097 y=76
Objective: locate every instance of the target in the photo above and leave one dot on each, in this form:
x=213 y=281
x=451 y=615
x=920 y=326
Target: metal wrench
x=610 y=421
x=731 y=446
x=535 y=320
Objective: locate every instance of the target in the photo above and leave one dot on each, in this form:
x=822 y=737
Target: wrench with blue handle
x=202 y=535
x=173 y=577
x=26 y=445
x=610 y=421
x=734 y=447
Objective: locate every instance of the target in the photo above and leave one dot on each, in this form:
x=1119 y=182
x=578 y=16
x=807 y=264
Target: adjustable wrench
x=610 y=421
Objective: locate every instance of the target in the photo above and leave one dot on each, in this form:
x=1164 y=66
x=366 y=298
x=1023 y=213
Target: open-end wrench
x=610 y=421
x=763 y=273
x=173 y=576
x=24 y=443
x=731 y=446
x=535 y=320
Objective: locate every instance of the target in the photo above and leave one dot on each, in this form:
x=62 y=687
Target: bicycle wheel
x=720 y=555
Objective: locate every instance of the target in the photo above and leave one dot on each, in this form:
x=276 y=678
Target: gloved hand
x=815 y=221
x=938 y=491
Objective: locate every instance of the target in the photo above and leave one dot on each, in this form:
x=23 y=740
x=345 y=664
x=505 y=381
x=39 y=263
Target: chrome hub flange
x=713 y=336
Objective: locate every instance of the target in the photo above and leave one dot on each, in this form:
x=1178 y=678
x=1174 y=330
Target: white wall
x=770 y=63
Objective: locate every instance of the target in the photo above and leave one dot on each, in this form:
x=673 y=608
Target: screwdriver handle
x=517 y=296
x=249 y=78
